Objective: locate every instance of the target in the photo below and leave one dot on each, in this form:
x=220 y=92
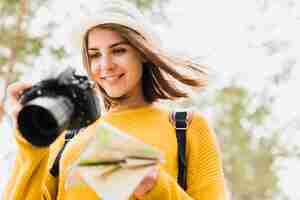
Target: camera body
x=51 y=106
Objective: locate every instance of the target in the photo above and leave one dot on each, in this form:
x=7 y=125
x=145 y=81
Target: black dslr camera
x=53 y=105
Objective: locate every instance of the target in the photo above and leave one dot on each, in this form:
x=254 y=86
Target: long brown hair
x=161 y=72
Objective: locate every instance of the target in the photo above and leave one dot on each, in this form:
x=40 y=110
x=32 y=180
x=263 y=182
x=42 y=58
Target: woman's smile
x=112 y=78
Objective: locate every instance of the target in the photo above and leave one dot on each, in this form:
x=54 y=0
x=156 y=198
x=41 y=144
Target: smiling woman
x=115 y=65
x=132 y=72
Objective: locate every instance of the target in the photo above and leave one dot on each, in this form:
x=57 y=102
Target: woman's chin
x=116 y=96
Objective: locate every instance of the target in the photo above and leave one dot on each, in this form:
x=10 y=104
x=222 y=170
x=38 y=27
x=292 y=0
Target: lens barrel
x=42 y=119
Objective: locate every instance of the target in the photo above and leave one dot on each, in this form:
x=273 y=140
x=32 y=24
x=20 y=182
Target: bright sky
x=229 y=35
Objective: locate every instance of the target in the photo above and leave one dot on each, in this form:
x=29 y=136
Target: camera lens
x=44 y=118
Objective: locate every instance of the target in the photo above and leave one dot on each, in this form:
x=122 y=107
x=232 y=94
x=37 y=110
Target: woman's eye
x=119 y=51
x=94 y=55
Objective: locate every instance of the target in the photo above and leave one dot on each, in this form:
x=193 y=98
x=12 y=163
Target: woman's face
x=115 y=65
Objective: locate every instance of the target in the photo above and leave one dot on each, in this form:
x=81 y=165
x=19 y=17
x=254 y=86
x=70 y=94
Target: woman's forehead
x=102 y=35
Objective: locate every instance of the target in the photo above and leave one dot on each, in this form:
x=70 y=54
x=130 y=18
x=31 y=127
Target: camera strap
x=54 y=171
x=181 y=121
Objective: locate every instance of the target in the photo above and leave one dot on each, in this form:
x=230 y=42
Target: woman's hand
x=147 y=183
x=14 y=92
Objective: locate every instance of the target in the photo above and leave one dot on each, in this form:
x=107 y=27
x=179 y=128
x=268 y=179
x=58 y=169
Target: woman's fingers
x=14 y=92
x=16 y=89
x=147 y=183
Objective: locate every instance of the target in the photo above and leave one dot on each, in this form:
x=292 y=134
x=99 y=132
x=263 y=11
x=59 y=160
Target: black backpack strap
x=54 y=171
x=181 y=121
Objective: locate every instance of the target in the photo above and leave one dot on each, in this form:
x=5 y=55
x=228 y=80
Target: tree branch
x=13 y=53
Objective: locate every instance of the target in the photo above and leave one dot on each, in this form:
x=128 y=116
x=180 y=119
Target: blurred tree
x=17 y=44
x=249 y=148
x=9 y=45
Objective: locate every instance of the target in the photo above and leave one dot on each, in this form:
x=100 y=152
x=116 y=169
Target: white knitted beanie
x=119 y=12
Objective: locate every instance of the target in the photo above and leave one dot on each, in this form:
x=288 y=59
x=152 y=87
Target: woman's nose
x=106 y=62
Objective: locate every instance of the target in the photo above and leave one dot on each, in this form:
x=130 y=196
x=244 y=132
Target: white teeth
x=112 y=78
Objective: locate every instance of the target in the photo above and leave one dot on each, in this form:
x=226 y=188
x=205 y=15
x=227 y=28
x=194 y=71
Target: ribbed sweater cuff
x=28 y=149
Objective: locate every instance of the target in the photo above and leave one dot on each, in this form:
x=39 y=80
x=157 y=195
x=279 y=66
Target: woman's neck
x=129 y=102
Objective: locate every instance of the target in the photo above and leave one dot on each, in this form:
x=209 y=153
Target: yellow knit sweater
x=31 y=179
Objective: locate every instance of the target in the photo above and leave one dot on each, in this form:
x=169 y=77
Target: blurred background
x=252 y=48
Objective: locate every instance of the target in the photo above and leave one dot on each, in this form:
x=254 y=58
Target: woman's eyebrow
x=111 y=46
x=118 y=43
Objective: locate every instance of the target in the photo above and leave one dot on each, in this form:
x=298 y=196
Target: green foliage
x=3 y=60
x=143 y=4
x=9 y=7
x=147 y=4
x=24 y=44
x=15 y=76
x=15 y=35
x=59 y=52
x=249 y=148
x=12 y=7
x=29 y=46
x=248 y=159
